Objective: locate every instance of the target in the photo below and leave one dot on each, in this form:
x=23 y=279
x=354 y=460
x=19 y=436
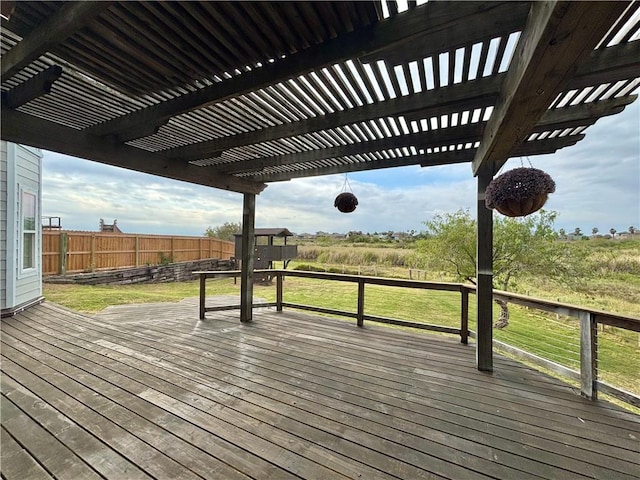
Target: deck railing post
x=203 y=296
x=360 y=317
x=588 y=355
x=464 y=315
x=279 y=283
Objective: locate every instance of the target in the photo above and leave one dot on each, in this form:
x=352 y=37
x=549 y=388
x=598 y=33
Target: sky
x=597 y=185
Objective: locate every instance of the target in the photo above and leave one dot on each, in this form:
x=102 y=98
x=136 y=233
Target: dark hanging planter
x=519 y=192
x=346 y=202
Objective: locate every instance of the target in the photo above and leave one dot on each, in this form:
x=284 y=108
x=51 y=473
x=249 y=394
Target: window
x=28 y=226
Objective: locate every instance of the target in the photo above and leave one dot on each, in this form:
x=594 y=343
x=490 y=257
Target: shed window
x=28 y=224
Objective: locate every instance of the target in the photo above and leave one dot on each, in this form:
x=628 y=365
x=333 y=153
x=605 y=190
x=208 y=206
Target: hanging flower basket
x=346 y=202
x=519 y=192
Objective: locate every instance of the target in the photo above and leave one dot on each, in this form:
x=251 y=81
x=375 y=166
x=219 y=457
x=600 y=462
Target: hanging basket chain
x=346 y=201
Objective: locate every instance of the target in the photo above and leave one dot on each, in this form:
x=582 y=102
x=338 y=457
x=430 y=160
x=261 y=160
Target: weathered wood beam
x=352 y=167
x=536 y=147
x=7 y=7
x=140 y=131
x=432 y=138
x=581 y=115
x=385 y=34
x=38 y=85
x=503 y=18
x=567 y=117
x=558 y=37
x=29 y=130
x=608 y=65
x=70 y=18
x=465 y=96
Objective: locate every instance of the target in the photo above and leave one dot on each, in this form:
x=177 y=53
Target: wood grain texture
x=294 y=395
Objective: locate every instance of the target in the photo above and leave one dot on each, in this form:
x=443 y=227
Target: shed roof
x=269 y=232
x=239 y=94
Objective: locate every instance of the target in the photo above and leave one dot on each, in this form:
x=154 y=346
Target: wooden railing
x=360 y=314
x=589 y=319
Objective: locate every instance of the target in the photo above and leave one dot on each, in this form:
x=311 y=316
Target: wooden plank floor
x=149 y=391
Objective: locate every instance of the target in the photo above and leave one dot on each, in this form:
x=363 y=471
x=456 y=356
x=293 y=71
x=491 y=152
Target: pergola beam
x=71 y=17
x=419 y=140
x=568 y=117
x=536 y=147
x=557 y=38
x=584 y=114
x=38 y=85
x=22 y=128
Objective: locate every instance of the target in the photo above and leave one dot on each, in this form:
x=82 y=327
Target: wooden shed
x=20 y=227
x=270 y=246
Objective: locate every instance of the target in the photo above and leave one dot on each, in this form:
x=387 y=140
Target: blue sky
x=597 y=185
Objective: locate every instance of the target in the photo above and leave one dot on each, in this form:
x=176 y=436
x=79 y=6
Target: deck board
x=153 y=389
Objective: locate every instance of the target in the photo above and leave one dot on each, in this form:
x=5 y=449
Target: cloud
x=598 y=185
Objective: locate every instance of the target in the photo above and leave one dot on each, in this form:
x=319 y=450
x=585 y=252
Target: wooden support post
x=484 y=277
x=248 y=247
x=64 y=250
x=279 y=285
x=203 y=295
x=464 y=316
x=588 y=356
x=360 y=317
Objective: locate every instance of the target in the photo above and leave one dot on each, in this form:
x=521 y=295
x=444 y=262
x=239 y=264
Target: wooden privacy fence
x=72 y=252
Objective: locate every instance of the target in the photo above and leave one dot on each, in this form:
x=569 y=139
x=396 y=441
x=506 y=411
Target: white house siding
x=3 y=223
x=23 y=172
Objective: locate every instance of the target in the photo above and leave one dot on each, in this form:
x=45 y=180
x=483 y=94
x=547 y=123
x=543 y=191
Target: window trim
x=28 y=271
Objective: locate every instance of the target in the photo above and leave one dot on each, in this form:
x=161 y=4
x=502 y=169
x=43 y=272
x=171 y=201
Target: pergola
x=235 y=95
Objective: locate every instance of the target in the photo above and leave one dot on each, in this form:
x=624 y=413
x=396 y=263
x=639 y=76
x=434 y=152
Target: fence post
x=279 y=279
x=64 y=249
x=137 y=248
x=92 y=253
x=360 y=316
x=588 y=356
x=464 y=315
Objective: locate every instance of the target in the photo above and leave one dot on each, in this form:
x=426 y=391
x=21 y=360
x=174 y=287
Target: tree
x=577 y=232
x=632 y=229
x=224 y=232
x=563 y=233
x=594 y=231
x=520 y=246
x=613 y=231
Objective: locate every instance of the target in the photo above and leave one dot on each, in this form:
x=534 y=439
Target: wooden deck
x=149 y=391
